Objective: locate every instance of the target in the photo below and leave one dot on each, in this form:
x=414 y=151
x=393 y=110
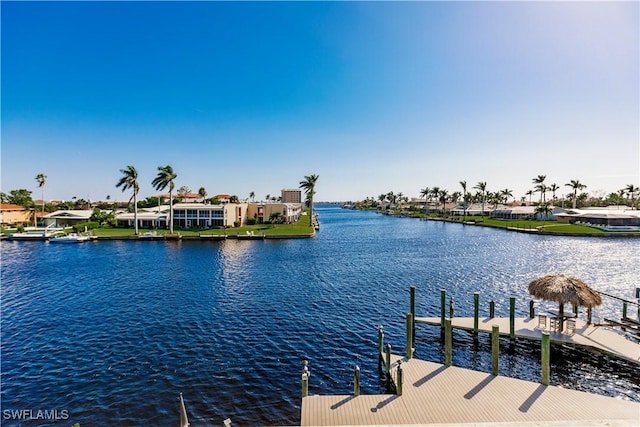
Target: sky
x=372 y=97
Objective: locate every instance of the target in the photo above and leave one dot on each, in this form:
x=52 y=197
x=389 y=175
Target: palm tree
x=129 y=180
x=252 y=196
x=42 y=180
x=202 y=192
x=505 y=194
x=309 y=187
x=553 y=188
x=631 y=191
x=529 y=193
x=482 y=186
x=575 y=185
x=464 y=198
x=543 y=209
x=443 y=199
x=425 y=193
x=165 y=178
x=540 y=186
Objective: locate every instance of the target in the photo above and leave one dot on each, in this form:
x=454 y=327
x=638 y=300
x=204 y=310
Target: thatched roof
x=564 y=289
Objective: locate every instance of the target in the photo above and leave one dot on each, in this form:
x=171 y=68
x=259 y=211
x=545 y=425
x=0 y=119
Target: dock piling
x=492 y=309
x=476 y=311
x=532 y=312
x=495 y=349
x=305 y=379
x=624 y=310
x=545 y=358
x=451 y=313
x=388 y=360
x=380 y=339
x=512 y=318
x=409 y=349
x=412 y=309
x=443 y=301
x=356 y=381
x=399 y=379
x=447 y=342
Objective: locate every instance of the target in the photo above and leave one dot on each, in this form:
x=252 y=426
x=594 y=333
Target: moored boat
x=71 y=238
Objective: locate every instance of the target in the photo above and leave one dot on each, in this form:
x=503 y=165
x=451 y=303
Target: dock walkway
x=597 y=337
x=434 y=394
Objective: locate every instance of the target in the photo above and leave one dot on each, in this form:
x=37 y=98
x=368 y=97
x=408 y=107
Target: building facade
x=291 y=196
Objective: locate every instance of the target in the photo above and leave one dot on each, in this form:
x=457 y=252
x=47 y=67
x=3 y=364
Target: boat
x=71 y=238
x=30 y=235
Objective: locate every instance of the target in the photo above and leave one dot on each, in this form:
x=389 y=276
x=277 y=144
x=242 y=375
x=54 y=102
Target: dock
x=598 y=337
x=434 y=394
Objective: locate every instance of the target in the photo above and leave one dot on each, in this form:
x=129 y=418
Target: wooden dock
x=434 y=394
x=598 y=337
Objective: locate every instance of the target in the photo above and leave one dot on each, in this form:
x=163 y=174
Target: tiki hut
x=563 y=290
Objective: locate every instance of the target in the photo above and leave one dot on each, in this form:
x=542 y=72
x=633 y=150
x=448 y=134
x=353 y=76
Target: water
x=112 y=332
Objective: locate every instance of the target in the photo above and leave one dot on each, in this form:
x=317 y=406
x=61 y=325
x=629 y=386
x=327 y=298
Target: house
x=610 y=218
x=67 y=218
x=196 y=215
x=11 y=214
x=525 y=212
x=263 y=212
x=147 y=218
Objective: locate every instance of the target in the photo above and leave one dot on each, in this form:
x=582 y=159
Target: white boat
x=30 y=235
x=71 y=238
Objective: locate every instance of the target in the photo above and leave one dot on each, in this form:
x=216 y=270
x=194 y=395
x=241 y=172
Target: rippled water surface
x=112 y=332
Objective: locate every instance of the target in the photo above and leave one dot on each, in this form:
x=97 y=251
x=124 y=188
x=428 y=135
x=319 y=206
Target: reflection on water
x=113 y=331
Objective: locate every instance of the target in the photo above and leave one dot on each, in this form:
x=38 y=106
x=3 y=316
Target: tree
x=442 y=196
x=544 y=210
x=129 y=180
x=463 y=184
x=202 y=192
x=425 y=192
x=20 y=197
x=529 y=193
x=482 y=186
x=165 y=178
x=540 y=186
x=631 y=191
x=252 y=196
x=505 y=194
x=234 y=199
x=309 y=187
x=42 y=180
x=553 y=188
x=576 y=186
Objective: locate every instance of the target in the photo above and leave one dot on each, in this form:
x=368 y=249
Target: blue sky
x=371 y=96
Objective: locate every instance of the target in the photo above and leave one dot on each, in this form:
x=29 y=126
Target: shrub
x=236 y=223
x=251 y=221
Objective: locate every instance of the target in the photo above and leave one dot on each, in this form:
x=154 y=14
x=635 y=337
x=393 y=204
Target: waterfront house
x=525 y=212
x=263 y=212
x=67 y=218
x=11 y=214
x=610 y=218
x=147 y=218
x=196 y=215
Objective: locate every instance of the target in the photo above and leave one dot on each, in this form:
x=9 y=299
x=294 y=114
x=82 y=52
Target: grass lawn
x=301 y=227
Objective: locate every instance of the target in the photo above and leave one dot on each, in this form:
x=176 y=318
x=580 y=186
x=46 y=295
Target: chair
x=542 y=322
x=553 y=324
x=571 y=326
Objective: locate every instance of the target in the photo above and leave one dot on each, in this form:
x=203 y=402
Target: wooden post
x=356 y=381
x=545 y=358
x=305 y=379
x=399 y=378
x=451 y=313
x=388 y=359
x=380 y=340
x=412 y=309
x=512 y=318
x=476 y=311
x=409 y=352
x=443 y=301
x=492 y=309
x=447 y=342
x=495 y=348
x=589 y=315
x=532 y=312
x=624 y=310
x=575 y=310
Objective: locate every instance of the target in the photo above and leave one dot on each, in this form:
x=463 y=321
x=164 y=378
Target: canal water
x=107 y=333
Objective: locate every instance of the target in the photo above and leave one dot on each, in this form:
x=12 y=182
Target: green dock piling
x=356 y=381
x=443 y=302
x=447 y=342
x=412 y=309
x=495 y=348
x=532 y=312
x=409 y=350
x=399 y=378
x=545 y=358
x=476 y=311
x=388 y=359
x=512 y=318
x=492 y=309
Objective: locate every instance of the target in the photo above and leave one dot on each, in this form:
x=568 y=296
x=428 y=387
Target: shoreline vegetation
x=532 y=226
